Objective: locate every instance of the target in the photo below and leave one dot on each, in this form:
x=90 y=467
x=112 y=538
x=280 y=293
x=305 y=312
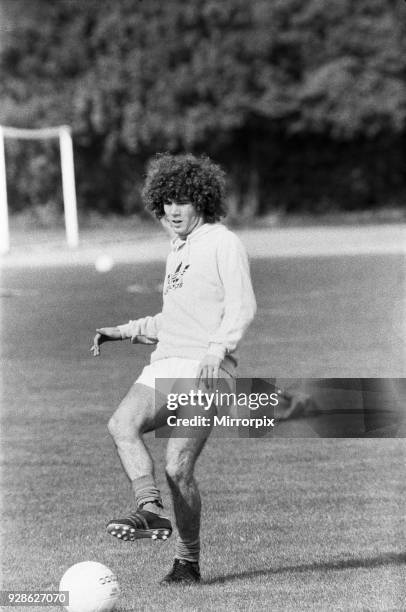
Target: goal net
x=63 y=133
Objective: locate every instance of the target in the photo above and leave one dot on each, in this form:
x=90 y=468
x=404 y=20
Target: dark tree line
x=303 y=101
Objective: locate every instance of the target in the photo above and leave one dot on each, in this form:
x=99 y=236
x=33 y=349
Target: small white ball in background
x=92 y=587
x=104 y=263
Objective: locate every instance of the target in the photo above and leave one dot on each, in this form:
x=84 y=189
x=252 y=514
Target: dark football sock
x=188 y=550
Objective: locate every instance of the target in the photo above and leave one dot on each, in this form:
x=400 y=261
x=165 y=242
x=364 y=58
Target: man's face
x=182 y=217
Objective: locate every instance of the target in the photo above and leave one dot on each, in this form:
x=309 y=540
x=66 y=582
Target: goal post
x=63 y=133
x=4 y=229
x=68 y=187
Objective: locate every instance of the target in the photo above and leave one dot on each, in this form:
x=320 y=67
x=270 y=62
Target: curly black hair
x=177 y=178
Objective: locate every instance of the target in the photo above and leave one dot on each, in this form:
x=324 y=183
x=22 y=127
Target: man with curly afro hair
x=208 y=303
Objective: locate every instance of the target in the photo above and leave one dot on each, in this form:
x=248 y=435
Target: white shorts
x=173 y=369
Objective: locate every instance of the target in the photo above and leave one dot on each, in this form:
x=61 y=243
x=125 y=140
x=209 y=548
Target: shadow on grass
x=340 y=564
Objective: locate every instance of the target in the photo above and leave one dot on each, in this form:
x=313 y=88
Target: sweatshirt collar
x=177 y=243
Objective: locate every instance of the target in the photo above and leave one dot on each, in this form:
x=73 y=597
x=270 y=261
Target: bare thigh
x=141 y=410
x=182 y=453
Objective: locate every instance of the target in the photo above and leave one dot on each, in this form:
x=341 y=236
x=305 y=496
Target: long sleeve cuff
x=217 y=349
x=127 y=330
x=145 y=326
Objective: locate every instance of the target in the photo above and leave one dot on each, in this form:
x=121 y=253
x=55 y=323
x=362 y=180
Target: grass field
x=288 y=524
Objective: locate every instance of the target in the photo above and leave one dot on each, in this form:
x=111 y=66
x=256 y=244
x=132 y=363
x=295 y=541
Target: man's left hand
x=208 y=371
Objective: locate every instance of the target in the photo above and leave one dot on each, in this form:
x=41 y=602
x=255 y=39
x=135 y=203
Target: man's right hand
x=104 y=334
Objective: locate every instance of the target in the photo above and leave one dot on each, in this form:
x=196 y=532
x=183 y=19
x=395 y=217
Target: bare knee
x=123 y=429
x=181 y=456
x=134 y=416
x=113 y=427
x=179 y=470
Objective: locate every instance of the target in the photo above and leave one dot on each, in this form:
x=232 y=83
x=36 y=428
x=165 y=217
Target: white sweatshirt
x=208 y=301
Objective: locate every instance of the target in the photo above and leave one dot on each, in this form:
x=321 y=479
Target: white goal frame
x=63 y=133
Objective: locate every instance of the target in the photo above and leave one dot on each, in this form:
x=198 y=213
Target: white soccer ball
x=104 y=263
x=92 y=587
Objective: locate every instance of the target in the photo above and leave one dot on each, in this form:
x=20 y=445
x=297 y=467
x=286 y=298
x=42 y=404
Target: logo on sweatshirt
x=174 y=280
